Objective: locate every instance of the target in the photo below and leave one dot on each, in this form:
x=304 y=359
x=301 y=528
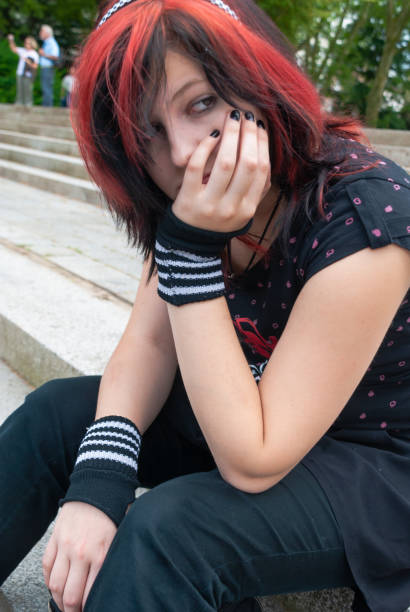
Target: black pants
x=193 y=542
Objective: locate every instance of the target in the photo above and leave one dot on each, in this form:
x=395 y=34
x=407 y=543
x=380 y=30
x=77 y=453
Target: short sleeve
x=362 y=213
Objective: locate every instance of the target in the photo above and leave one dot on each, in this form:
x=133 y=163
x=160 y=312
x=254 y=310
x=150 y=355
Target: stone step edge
x=69 y=159
x=31 y=359
x=28 y=136
x=57 y=176
x=92 y=286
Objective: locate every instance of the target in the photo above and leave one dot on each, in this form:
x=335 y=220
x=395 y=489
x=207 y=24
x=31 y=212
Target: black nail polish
x=215 y=133
x=249 y=116
x=236 y=115
x=260 y=124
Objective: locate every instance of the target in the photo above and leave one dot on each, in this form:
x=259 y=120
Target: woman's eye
x=203 y=104
x=158 y=128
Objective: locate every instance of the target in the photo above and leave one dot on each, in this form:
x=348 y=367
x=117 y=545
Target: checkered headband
x=118 y=5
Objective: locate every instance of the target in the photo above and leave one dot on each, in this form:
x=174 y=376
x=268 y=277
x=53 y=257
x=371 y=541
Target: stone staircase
x=68 y=281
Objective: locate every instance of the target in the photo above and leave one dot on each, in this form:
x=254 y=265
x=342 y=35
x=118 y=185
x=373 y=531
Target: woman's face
x=184 y=113
x=27 y=43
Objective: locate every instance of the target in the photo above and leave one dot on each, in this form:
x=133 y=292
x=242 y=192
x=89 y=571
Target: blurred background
x=356 y=51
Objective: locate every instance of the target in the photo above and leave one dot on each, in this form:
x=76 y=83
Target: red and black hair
x=121 y=69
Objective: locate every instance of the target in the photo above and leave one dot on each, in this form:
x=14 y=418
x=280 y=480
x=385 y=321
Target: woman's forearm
x=137 y=382
x=219 y=383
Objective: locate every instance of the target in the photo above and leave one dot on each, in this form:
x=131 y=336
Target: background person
x=26 y=69
x=67 y=85
x=49 y=54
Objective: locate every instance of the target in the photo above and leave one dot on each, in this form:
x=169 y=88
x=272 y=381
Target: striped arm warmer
x=189 y=260
x=105 y=474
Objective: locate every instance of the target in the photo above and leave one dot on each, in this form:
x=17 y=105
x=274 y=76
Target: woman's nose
x=182 y=145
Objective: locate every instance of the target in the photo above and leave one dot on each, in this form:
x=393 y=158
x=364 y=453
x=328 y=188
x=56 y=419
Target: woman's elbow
x=253 y=485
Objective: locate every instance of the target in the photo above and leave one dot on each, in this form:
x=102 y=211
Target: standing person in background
x=67 y=85
x=49 y=52
x=26 y=69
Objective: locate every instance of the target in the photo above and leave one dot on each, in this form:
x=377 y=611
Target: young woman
x=26 y=69
x=261 y=388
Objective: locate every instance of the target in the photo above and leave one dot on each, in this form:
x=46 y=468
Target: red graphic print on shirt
x=248 y=333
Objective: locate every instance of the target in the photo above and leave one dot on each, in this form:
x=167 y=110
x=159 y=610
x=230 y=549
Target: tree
x=397 y=16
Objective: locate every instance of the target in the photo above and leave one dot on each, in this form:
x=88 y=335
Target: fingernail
x=215 y=133
x=236 y=115
x=260 y=124
x=249 y=116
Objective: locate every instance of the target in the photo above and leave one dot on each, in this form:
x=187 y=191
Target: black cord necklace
x=231 y=273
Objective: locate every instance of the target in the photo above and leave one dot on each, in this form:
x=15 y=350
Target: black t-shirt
x=363 y=462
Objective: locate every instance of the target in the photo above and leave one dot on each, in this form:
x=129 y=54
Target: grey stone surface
x=53 y=182
x=81 y=239
x=25 y=590
x=41 y=143
x=51 y=161
x=27 y=126
x=399 y=138
x=69 y=324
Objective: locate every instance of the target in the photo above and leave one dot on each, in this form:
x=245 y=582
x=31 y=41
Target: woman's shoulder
x=367 y=204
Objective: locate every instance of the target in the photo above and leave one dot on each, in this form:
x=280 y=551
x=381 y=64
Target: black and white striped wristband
x=184 y=277
x=105 y=474
x=188 y=260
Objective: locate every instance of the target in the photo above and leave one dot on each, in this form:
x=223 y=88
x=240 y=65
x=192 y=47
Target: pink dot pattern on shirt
x=388 y=209
x=376 y=232
x=393 y=404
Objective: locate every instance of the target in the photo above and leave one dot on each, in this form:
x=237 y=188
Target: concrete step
x=13 y=390
x=43 y=119
x=81 y=240
x=68 y=281
x=40 y=143
x=37 y=114
x=53 y=162
x=52 y=325
x=400 y=155
x=399 y=138
x=52 y=182
x=35 y=110
x=29 y=127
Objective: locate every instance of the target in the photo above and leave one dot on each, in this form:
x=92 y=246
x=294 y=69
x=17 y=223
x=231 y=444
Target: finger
x=194 y=172
x=58 y=578
x=247 y=166
x=226 y=159
x=74 y=587
x=48 y=559
x=92 y=575
x=262 y=179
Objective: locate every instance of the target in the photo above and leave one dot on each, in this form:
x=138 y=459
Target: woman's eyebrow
x=186 y=86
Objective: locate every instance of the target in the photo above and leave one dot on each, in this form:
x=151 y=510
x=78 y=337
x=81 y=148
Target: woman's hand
x=75 y=553
x=238 y=181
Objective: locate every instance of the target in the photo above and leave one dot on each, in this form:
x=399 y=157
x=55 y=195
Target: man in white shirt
x=26 y=68
x=49 y=54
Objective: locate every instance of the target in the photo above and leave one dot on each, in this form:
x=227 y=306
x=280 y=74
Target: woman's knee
x=59 y=410
x=172 y=509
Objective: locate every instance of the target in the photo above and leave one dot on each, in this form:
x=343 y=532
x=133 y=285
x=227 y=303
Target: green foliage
x=8 y=65
x=340 y=45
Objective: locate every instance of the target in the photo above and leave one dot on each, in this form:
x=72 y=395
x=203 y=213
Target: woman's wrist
x=106 y=471
x=189 y=260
